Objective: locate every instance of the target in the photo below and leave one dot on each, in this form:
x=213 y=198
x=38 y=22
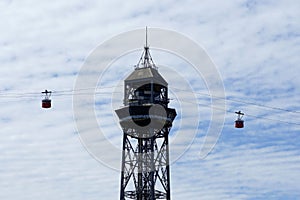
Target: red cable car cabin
x=239 y=123
x=46 y=102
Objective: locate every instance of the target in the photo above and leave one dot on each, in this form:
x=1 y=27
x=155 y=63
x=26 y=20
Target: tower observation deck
x=146 y=121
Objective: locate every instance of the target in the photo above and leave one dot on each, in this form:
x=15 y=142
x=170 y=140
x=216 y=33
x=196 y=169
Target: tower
x=146 y=121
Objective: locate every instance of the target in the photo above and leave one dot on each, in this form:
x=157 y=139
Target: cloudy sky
x=254 y=46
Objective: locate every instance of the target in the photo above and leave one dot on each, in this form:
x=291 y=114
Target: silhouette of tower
x=146 y=121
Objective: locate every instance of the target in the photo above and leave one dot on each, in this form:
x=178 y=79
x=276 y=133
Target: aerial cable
x=247 y=115
x=240 y=101
x=97 y=91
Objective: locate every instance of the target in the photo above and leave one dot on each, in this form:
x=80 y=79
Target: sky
x=254 y=46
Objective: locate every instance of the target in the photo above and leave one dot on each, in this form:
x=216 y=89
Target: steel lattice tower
x=146 y=121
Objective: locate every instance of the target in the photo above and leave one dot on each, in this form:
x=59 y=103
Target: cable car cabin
x=46 y=102
x=239 y=123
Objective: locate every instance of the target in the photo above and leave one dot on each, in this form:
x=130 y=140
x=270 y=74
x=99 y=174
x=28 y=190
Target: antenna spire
x=147 y=54
x=146 y=36
x=146 y=59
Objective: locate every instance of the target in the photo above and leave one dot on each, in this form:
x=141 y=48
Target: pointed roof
x=148 y=73
x=146 y=70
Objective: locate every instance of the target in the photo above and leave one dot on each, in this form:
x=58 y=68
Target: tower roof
x=146 y=74
x=146 y=70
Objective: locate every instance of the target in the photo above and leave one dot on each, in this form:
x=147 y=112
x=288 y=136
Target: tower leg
x=140 y=169
x=168 y=168
x=122 y=187
x=152 y=163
